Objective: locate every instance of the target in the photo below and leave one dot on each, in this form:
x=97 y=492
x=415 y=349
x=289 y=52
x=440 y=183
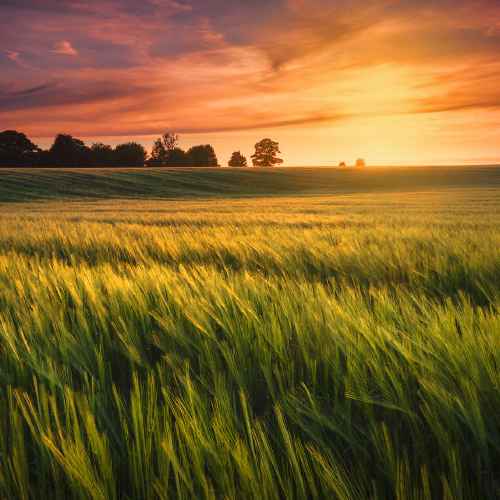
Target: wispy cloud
x=64 y=48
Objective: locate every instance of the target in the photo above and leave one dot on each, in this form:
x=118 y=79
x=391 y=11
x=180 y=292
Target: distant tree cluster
x=359 y=163
x=266 y=155
x=167 y=153
x=16 y=150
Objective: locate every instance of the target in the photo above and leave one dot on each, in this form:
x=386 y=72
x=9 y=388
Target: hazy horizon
x=224 y=149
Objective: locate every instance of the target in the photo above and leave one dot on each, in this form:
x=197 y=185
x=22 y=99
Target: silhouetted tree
x=163 y=148
x=266 y=154
x=237 y=160
x=170 y=140
x=177 y=157
x=202 y=156
x=159 y=154
x=69 y=152
x=342 y=164
x=360 y=163
x=130 y=154
x=66 y=151
x=101 y=155
x=42 y=158
x=17 y=150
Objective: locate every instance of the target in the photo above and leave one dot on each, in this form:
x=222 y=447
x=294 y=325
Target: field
x=299 y=333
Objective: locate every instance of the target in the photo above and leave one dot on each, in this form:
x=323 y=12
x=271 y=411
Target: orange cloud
x=213 y=67
x=12 y=55
x=64 y=48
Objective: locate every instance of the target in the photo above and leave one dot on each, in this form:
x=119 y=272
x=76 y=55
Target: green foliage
x=323 y=346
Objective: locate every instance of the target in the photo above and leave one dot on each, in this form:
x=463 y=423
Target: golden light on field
x=172 y=329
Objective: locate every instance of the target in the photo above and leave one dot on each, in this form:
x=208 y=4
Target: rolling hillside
x=39 y=184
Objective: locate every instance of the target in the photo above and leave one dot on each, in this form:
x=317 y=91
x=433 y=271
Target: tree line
x=17 y=150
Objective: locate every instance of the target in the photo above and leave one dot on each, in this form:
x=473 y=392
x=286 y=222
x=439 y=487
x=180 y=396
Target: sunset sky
x=411 y=81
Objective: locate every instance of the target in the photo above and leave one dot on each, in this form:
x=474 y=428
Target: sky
x=394 y=82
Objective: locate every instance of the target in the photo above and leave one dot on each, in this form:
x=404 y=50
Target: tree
x=170 y=140
x=158 y=154
x=130 y=154
x=360 y=162
x=266 y=154
x=237 y=160
x=202 y=156
x=42 y=158
x=177 y=157
x=342 y=164
x=16 y=149
x=101 y=155
x=163 y=148
x=69 y=152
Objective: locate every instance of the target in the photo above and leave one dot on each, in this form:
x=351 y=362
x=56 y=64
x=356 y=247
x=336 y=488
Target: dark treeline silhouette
x=266 y=155
x=237 y=160
x=167 y=153
x=17 y=150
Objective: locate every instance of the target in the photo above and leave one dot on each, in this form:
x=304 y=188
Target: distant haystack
x=360 y=162
x=342 y=164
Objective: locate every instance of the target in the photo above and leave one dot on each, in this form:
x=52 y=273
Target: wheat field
x=299 y=333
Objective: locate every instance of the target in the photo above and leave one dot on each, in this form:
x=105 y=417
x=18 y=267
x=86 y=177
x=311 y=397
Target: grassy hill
x=32 y=184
